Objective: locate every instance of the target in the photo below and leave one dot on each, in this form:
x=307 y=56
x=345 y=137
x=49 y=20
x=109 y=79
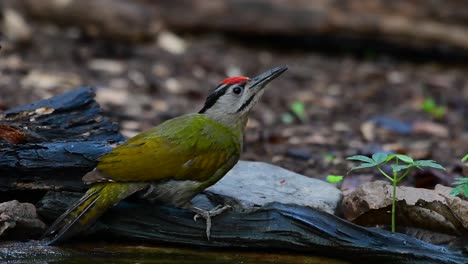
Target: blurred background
x=364 y=76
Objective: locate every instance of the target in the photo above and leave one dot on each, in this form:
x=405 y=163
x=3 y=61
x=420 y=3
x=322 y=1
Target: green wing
x=190 y=147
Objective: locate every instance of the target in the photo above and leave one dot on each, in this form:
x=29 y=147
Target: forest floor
x=352 y=104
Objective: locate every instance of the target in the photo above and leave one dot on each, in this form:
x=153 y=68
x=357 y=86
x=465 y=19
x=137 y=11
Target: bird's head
x=231 y=101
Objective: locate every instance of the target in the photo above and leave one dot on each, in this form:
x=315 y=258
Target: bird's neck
x=235 y=123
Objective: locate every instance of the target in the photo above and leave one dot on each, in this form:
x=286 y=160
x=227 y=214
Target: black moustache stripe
x=244 y=105
x=213 y=97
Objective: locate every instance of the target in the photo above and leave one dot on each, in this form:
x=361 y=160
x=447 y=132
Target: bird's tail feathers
x=89 y=208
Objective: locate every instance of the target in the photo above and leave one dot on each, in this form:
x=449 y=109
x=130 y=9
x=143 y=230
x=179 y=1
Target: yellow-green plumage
x=153 y=157
x=190 y=147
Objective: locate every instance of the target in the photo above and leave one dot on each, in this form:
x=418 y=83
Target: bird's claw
x=207 y=214
x=213 y=212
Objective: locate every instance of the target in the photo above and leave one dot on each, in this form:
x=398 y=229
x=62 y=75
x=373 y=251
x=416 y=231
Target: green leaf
x=362 y=166
x=404 y=158
x=334 y=178
x=379 y=157
x=428 y=163
x=428 y=105
x=361 y=158
x=465 y=158
x=298 y=108
x=456 y=191
x=397 y=168
x=459 y=181
x=462 y=189
x=423 y=162
x=431 y=107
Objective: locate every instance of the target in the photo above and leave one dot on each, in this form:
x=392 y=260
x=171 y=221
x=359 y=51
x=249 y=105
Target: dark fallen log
x=67 y=133
x=52 y=143
x=115 y=19
x=273 y=227
x=416 y=24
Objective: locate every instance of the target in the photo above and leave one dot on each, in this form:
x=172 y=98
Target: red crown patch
x=237 y=79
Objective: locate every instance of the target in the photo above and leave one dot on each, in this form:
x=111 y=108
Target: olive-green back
x=189 y=147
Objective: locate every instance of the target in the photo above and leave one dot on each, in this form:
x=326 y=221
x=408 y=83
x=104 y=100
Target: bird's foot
x=208 y=214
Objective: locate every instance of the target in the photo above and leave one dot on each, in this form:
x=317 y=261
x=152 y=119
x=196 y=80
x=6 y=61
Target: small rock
x=255 y=184
x=394 y=125
x=173 y=86
x=130 y=128
x=19 y=220
x=171 y=43
x=15 y=27
x=108 y=66
x=368 y=130
x=45 y=81
x=430 y=209
x=160 y=105
x=431 y=128
x=111 y=96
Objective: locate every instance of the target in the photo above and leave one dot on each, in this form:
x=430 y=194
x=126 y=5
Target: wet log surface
x=277 y=226
x=274 y=227
x=52 y=143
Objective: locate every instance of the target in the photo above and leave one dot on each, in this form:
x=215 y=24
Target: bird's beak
x=259 y=82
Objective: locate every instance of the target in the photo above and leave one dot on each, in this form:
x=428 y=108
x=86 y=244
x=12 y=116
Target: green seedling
x=462 y=188
x=329 y=157
x=430 y=106
x=334 y=178
x=401 y=165
x=465 y=158
x=298 y=108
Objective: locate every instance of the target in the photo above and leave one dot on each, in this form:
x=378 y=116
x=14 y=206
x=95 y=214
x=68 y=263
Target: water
x=37 y=252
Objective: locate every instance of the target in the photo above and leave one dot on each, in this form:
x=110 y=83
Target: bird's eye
x=237 y=90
